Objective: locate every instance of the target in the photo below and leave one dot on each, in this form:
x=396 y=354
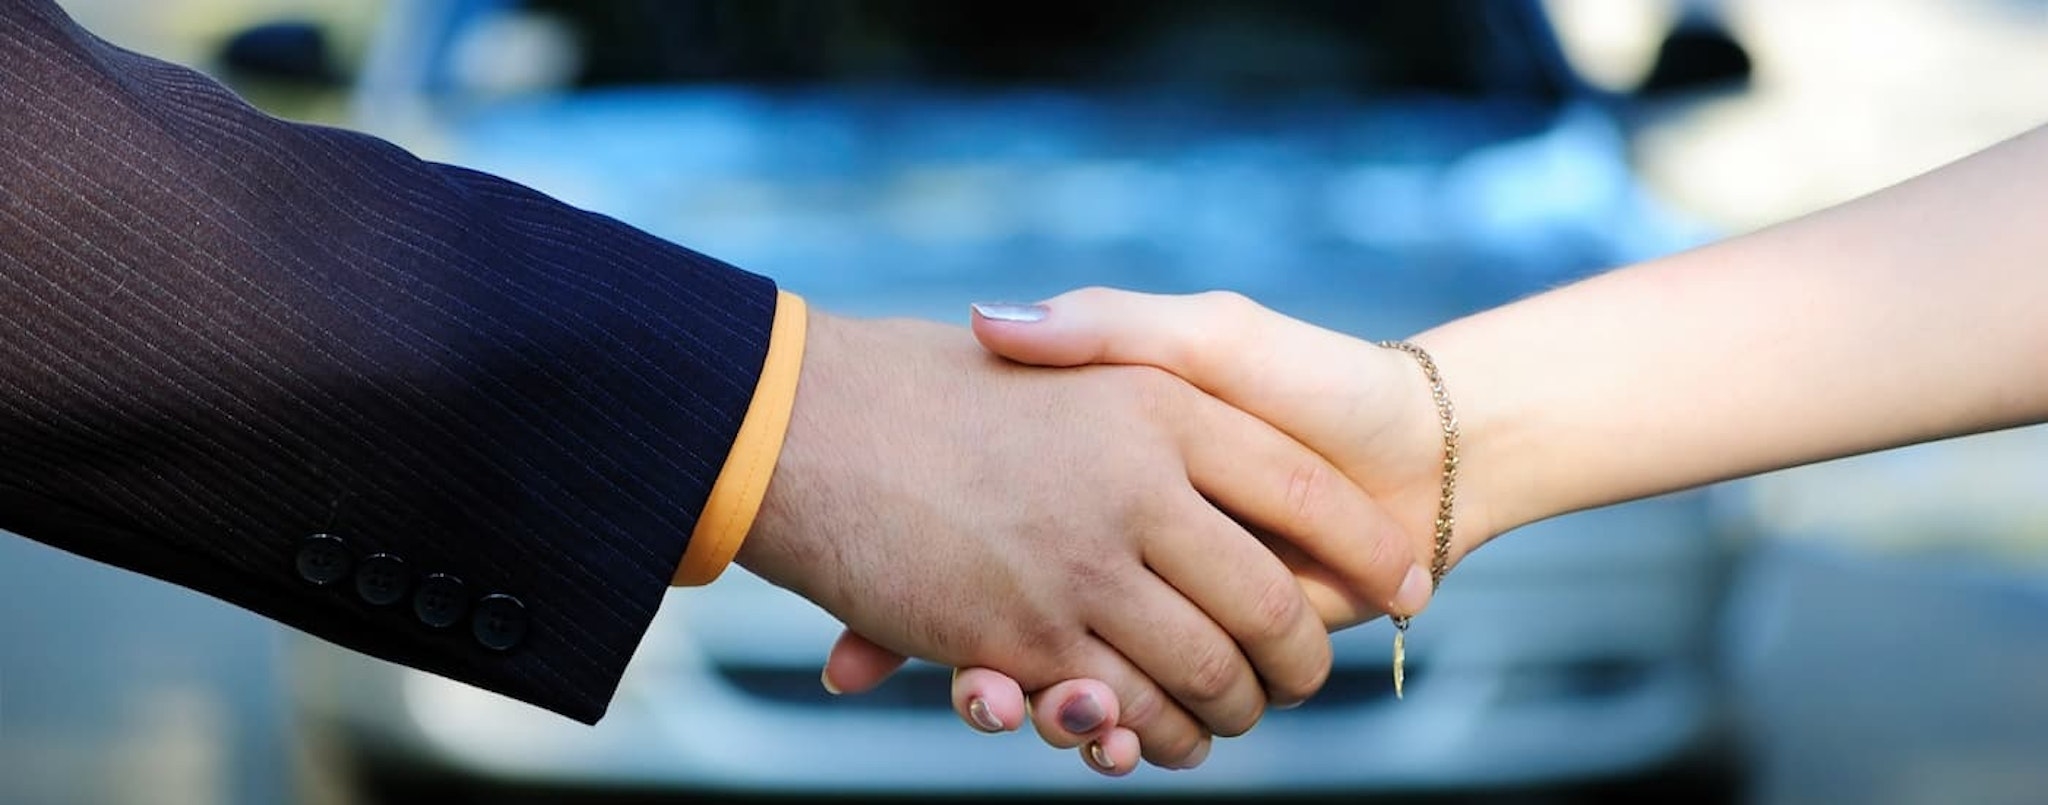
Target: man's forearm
x=222 y=335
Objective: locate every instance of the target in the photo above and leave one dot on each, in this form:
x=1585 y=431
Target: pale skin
x=1909 y=315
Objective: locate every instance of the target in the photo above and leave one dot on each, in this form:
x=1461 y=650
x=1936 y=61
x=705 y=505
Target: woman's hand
x=1902 y=317
x=1364 y=407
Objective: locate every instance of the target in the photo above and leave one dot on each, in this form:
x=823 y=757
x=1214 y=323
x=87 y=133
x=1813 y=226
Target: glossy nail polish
x=984 y=718
x=1010 y=311
x=1099 y=758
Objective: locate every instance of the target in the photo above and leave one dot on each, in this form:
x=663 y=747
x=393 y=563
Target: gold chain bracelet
x=1447 y=495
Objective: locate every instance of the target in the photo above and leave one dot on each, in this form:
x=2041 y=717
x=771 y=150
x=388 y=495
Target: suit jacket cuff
x=743 y=481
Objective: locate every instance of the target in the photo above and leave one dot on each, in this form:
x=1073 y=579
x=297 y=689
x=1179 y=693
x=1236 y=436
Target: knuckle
x=1394 y=551
x=1141 y=710
x=1314 y=675
x=1170 y=749
x=1234 y=312
x=1308 y=492
x=1213 y=673
x=1239 y=723
x=1093 y=553
x=1227 y=304
x=1137 y=516
x=1109 y=555
x=1091 y=295
x=1386 y=554
x=1148 y=518
x=1380 y=563
x=1228 y=315
x=1279 y=608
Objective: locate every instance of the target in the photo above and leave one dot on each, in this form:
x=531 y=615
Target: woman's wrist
x=1550 y=402
x=1489 y=498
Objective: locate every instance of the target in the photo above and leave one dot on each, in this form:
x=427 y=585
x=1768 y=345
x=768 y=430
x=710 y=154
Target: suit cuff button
x=440 y=601
x=324 y=559
x=382 y=580
x=500 y=622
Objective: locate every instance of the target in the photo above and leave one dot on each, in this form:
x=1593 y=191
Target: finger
x=856 y=664
x=1246 y=590
x=1172 y=641
x=1115 y=754
x=1168 y=736
x=1337 y=606
x=1278 y=368
x=989 y=700
x=1072 y=713
x=1112 y=749
x=1268 y=479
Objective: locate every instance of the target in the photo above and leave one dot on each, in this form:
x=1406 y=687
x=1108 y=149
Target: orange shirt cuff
x=736 y=495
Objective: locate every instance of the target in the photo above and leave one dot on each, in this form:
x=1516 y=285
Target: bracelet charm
x=1446 y=497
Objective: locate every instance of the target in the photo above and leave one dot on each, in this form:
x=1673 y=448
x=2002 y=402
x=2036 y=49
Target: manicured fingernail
x=1010 y=311
x=825 y=678
x=984 y=719
x=1414 y=593
x=1082 y=714
x=1200 y=754
x=1099 y=758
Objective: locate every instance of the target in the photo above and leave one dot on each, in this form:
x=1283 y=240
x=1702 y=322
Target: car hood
x=890 y=201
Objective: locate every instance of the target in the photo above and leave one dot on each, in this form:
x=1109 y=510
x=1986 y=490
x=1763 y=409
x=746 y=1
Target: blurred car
x=1375 y=167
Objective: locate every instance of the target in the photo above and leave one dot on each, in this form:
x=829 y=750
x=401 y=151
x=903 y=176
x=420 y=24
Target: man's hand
x=1058 y=524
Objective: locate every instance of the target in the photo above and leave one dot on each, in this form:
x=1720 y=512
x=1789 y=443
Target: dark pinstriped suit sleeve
x=221 y=333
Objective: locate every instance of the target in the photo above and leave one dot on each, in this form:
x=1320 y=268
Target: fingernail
x=1099 y=758
x=1081 y=715
x=1200 y=754
x=1414 y=593
x=984 y=719
x=825 y=678
x=1010 y=311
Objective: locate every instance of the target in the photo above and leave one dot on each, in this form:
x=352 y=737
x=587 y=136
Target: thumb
x=1305 y=380
x=857 y=664
x=1100 y=325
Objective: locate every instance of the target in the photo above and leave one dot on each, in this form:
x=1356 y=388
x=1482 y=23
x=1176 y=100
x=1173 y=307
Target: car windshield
x=1352 y=47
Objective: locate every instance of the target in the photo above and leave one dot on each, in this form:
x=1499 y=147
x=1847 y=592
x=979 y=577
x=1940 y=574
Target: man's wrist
x=774 y=549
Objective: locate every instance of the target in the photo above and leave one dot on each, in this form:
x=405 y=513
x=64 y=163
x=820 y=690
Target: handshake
x=1152 y=539
x=1140 y=514
x=1146 y=512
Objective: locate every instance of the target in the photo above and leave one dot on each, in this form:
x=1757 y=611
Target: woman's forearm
x=1916 y=313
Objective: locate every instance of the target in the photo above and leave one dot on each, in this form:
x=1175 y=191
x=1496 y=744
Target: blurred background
x=1872 y=630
